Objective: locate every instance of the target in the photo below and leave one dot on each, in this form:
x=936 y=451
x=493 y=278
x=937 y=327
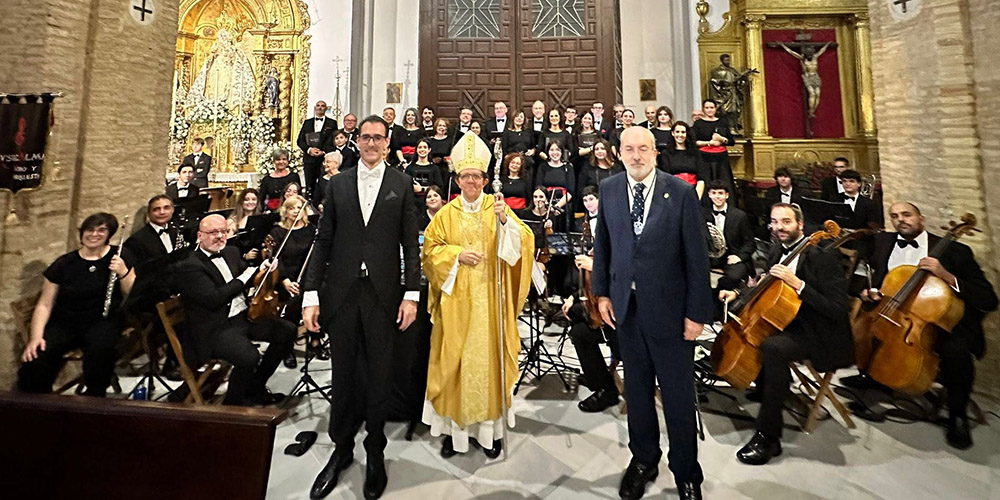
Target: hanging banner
x=24 y=128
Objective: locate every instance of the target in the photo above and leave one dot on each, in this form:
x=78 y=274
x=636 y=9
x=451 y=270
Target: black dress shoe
x=326 y=481
x=290 y=361
x=448 y=448
x=635 y=479
x=172 y=370
x=319 y=352
x=958 y=434
x=375 y=479
x=759 y=450
x=689 y=490
x=865 y=412
x=599 y=401
x=268 y=398
x=495 y=450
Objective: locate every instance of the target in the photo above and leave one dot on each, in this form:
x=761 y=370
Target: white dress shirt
x=164 y=236
x=840 y=186
x=318 y=124
x=786 y=196
x=593 y=223
x=501 y=123
x=510 y=244
x=239 y=303
x=197 y=158
x=720 y=219
x=538 y=125
x=851 y=200
x=182 y=191
x=908 y=256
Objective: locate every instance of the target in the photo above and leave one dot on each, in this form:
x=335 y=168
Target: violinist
x=957 y=267
x=212 y=282
x=585 y=336
x=69 y=312
x=541 y=218
x=820 y=331
x=291 y=260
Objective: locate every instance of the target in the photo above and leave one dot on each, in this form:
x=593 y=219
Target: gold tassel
x=12 y=219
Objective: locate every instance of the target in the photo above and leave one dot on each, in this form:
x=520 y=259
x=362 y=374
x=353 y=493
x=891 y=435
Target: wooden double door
x=476 y=52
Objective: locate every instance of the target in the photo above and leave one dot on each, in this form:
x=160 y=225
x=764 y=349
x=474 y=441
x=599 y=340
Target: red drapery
x=785 y=116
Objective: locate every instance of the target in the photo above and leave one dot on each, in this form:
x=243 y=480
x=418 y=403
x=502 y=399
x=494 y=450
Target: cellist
x=957 y=267
x=819 y=333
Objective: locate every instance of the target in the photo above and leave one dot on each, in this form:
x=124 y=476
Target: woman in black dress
x=517 y=139
x=246 y=205
x=423 y=172
x=292 y=258
x=585 y=138
x=712 y=136
x=601 y=164
x=683 y=160
x=69 y=313
x=516 y=180
x=433 y=202
x=555 y=133
x=272 y=186
x=404 y=141
x=628 y=118
x=663 y=131
x=441 y=143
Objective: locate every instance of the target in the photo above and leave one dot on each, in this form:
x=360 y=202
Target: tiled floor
x=558 y=452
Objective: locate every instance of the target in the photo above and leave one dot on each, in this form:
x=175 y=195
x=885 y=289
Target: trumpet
x=110 y=291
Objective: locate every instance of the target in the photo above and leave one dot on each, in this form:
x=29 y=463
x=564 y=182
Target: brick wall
x=937 y=104
x=108 y=148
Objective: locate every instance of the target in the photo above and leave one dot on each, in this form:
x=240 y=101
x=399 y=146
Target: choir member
x=555 y=133
x=650 y=122
x=184 y=186
x=627 y=117
x=427 y=120
x=597 y=111
x=498 y=124
x=331 y=167
x=389 y=115
x=433 y=201
x=351 y=129
x=619 y=111
x=712 y=136
x=585 y=138
x=557 y=174
x=341 y=143
x=476 y=128
x=272 y=186
x=247 y=204
x=537 y=124
x=69 y=313
x=315 y=139
x=569 y=120
x=516 y=178
x=404 y=141
x=600 y=165
x=683 y=160
x=464 y=124
x=662 y=130
x=517 y=138
x=200 y=161
x=423 y=172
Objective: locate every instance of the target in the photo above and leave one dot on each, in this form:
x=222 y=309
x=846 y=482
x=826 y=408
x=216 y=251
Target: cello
x=903 y=328
x=586 y=292
x=266 y=302
x=766 y=309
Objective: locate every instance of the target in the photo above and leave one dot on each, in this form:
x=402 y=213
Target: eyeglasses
x=215 y=234
x=465 y=177
x=370 y=138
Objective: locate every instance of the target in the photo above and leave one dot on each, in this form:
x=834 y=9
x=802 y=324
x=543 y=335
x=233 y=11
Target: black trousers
x=957 y=371
x=233 y=343
x=362 y=340
x=777 y=351
x=587 y=342
x=650 y=359
x=733 y=275
x=98 y=342
x=312 y=172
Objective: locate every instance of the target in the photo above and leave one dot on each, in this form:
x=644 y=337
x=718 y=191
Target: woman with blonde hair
x=293 y=257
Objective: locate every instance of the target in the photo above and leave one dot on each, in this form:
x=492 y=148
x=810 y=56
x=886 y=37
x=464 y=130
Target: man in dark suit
x=155 y=239
x=200 y=162
x=341 y=144
x=831 y=187
x=737 y=263
x=353 y=291
x=315 y=140
x=650 y=122
x=866 y=213
x=211 y=283
x=956 y=266
x=184 y=186
x=651 y=278
x=602 y=127
x=389 y=115
x=820 y=331
x=496 y=126
x=784 y=191
x=462 y=126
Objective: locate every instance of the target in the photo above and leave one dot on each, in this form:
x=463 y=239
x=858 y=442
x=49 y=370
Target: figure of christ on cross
x=808 y=57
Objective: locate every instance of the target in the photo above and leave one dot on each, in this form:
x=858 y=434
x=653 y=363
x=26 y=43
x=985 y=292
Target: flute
x=114 y=276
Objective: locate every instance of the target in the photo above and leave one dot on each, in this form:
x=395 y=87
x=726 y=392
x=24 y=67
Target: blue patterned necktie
x=638 y=207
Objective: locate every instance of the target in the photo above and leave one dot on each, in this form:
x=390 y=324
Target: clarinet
x=114 y=276
x=179 y=242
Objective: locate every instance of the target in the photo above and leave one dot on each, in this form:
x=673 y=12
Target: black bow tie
x=786 y=250
x=719 y=212
x=161 y=231
x=215 y=256
x=904 y=243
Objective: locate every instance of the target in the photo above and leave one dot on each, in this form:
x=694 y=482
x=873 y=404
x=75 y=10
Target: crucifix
x=808 y=57
x=406 y=83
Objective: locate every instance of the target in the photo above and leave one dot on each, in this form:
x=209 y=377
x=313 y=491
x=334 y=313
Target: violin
x=902 y=330
x=586 y=292
x=266 y=301
x=542 y=254
x=768 y=308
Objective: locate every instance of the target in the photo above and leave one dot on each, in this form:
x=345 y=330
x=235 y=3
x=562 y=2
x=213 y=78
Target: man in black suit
x=496 y=126
x=911 y=245
x=737 y=263
x=341 y=144
x=211 y=283
x=820 y=331
x=352 y=131
x=315 y=140
x=200 y=162
x=866 y=213
x=155 y=239
x=353 y=291
x=650 y=122
x=569 y=120
x=831 y=187
x=184 y=186
x=784 y=191
x=463 y=125
x=597 y=110
x=389 y=115
x=651 y=280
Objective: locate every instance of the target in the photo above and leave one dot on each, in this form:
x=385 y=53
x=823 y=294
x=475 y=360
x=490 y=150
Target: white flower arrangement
x=265 y=165
x=180 y=127
x=261 y=133
x=209 y=111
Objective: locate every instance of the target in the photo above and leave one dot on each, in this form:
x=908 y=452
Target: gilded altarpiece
x=749 y=34
x=241 y=77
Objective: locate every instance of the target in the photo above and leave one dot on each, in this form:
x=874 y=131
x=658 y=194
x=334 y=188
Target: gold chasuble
x=463 y=376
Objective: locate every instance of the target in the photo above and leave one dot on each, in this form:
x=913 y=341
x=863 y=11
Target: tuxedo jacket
x=668 y=264
x=738 y=233
x=146 y=245
x=456 y=133
x=974 y=289
x=325 y=138
x=867 y=214
x=822 y=324
x=152 y=265
x=171 y=190
x=206 y=296
x=344 y=242
x=493 y=131
x=773 y=195
x=350 y=157
x=829 y=191
x=201 y=168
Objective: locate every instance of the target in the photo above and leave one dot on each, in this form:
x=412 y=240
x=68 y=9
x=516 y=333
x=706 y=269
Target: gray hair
x=334 y=155
x=278 y=153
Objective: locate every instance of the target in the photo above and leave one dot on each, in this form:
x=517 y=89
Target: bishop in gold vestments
x=460 y=258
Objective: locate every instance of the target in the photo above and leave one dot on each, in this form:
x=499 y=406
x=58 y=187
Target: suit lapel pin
x=666 y=195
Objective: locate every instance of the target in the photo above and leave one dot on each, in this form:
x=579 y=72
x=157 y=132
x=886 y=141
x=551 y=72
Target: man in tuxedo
x=212 y=282
x=651 y=280
x=184 y=186
x=619 y=110
x=389 y=115
x=784 y=191
x=597 y=110
x=427 y=120
x=154 y=239
x=866 y=213
x=539 y=122
x=496 y=126
x=315 y=140
x=737 y=263
x=353 y=290
x=820 y=331
x=341 y=144
x=911 y=245
x=463 y=125
x=351 y=129
x=200 y=162
x=831 y=188
x=569 y=119
x=650 y=122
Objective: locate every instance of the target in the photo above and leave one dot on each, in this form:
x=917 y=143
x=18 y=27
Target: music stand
x=817 y=211
x=307 y=384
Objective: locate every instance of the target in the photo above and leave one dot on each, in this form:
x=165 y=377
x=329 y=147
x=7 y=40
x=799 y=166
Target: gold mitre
x=470 y=152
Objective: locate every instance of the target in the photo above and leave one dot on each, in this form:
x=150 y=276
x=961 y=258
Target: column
x=755 y=59
x=863 y=68
x=284 y=64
